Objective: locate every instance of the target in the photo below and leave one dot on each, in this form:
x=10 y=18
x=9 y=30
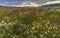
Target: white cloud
x=51 y=2
x=24 y=4
x=29 y=3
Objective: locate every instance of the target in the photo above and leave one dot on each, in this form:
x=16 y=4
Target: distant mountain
x=51 y=4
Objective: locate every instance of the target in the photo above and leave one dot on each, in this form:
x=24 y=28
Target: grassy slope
x=48 y=25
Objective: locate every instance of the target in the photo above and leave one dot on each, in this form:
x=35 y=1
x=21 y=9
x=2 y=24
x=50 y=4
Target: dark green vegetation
x=29 y=22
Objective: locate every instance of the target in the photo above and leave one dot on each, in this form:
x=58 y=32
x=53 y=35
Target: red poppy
x=32 y=12
x=49 y=9
x=12 y=33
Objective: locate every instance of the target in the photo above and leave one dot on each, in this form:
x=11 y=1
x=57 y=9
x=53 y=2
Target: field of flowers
x=30 y=23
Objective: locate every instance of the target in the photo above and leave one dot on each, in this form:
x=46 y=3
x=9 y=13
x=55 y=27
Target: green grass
x=30 y=24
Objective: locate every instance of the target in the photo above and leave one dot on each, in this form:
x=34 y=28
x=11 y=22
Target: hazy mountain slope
x=51 y=4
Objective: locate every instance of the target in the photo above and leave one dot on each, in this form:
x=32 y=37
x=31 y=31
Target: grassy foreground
x=30 y=23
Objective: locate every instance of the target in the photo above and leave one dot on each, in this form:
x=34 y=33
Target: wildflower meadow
x=29 y=22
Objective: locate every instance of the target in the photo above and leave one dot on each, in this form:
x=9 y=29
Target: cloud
x=51 y=2
x=18 y=2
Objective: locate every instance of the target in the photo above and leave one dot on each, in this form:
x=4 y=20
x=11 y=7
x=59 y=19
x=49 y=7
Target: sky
x=17 y=2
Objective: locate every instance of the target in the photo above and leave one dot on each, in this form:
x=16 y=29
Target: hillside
x=18 y=22
x=52 y=5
